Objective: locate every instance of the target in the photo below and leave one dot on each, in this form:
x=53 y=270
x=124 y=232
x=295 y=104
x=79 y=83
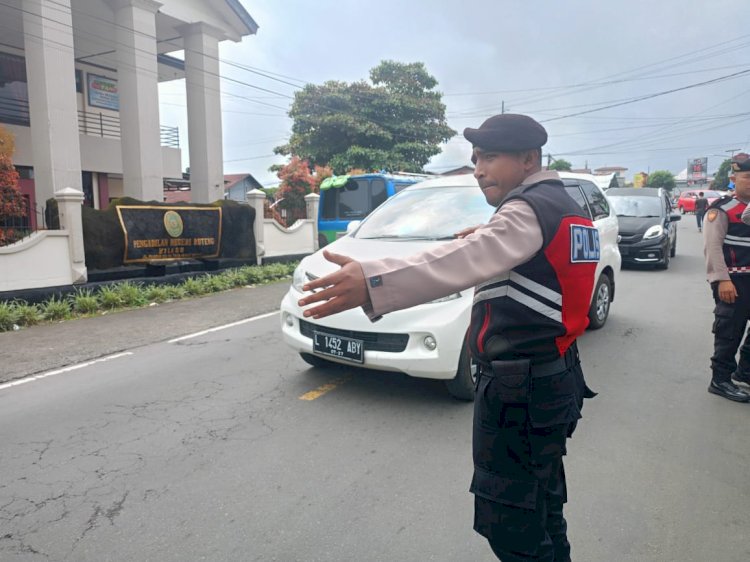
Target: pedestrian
x=701 y=206
x=727 y=251
x=532 y=267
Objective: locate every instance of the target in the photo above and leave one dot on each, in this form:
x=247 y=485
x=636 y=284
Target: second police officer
x=533 y=266
x=727 y=251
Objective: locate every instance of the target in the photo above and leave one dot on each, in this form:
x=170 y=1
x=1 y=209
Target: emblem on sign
x=173 y=223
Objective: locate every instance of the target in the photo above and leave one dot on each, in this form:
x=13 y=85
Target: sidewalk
x=41 y=348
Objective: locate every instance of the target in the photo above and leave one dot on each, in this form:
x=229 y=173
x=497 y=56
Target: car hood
x=637 y=225
x=362 y=250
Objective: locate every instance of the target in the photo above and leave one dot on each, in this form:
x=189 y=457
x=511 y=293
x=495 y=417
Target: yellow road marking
x=323 y=389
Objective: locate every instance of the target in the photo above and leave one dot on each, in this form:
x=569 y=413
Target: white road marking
x=217 y=328
x=63 y=370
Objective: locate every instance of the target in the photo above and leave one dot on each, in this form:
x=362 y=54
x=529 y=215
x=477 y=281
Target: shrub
x=131 y=294
x=109 y=297
x=8 y=316
x=157 y=293
x=176 y=292
x=56 y=309
x=84 y=301
x=217 y=283
x=28 y=314
x=193 y=286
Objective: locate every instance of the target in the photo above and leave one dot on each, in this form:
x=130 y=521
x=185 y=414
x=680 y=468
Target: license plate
x=339 y=346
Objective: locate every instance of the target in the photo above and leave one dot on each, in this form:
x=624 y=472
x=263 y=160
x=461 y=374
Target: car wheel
x=599 y=310
x=462 y=385
x=682 y=210
x=316 y=361
x=665 y=262
x=673 y=251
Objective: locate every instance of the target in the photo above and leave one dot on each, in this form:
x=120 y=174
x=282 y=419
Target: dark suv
x=648 y=234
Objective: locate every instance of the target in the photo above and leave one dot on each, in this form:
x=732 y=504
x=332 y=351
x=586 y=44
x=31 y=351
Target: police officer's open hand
x=345 y=289
x=727 y=292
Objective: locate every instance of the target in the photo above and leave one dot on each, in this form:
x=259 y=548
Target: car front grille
x=373 y=341
x=630 y=238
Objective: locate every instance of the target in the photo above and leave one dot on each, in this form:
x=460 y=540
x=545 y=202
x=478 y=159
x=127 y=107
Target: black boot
x=741 y=376
x=728 y=390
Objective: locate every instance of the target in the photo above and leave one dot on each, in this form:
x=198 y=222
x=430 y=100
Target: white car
x=426 y=340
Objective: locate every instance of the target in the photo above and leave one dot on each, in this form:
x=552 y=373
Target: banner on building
x=102 y=92
x=697 y=170
x=169 y=233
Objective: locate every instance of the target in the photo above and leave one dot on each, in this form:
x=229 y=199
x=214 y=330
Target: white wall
x=280 y=241
x=41 y=260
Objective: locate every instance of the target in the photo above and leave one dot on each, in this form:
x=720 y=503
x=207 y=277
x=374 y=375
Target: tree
x=721 y=178
x=561 y=165
x=296 y=182
x=395 y=123
x=661 y=178
x=12 y=204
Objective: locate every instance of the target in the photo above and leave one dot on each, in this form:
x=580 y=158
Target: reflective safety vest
x=537 y=310
x=737 y=241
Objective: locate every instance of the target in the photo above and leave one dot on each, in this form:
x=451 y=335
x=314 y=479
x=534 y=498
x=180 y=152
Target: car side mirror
x=352 y=226
x=674 y=218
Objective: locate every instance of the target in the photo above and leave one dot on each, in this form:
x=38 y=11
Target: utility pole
x=503 y=110
x=733 y=150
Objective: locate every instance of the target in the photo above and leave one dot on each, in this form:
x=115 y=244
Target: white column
x=256 y=198
x=204 y=112
x=312 y=202
x=50 y=71
x=69 y=203
x=138 y=86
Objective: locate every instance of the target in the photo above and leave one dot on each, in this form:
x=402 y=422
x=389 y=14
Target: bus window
x=353 y=200
x=379 y=192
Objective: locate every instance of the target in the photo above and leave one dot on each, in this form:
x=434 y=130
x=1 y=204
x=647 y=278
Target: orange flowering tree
x=297 y=181
x=12 y=204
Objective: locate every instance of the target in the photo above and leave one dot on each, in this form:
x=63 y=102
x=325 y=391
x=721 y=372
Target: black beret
x=741 y=162
x=508 y=132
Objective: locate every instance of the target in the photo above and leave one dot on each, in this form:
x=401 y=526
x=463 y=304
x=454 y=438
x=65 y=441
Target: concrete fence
x=274 y=240
x=48 y=258
x=51 y=258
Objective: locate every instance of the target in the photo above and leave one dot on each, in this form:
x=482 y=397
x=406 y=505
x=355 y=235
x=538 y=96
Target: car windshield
x=434 y=213
x=636 y=206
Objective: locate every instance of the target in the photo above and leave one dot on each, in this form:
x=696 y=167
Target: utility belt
x=514 y=377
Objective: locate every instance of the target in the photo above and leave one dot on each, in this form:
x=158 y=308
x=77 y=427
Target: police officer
x=533 y=268
x=727 y=251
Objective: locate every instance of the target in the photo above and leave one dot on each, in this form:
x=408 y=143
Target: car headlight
x=299 y=278
x=446 y=299
x=654 y=232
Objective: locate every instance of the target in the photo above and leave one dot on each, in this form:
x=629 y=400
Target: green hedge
x=125 y=295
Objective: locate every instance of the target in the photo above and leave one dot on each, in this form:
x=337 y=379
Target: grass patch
x=84 y=302
x=8 y=316
x=28 y=314
x=56 y=309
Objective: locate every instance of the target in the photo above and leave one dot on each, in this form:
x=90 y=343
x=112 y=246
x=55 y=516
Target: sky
x=562 y=62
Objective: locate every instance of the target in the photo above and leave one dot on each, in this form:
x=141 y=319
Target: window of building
x=14 y=92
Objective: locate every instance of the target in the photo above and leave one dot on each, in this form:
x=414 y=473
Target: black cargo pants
x=519 y=442
x=730 y=322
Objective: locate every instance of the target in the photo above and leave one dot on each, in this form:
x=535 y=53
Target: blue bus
x=348 y=198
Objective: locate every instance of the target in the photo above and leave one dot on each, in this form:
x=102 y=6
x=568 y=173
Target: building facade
x=79 y=90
